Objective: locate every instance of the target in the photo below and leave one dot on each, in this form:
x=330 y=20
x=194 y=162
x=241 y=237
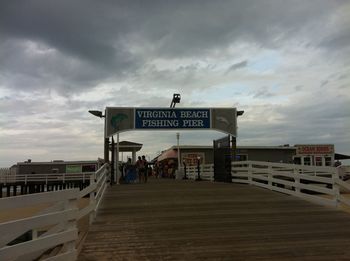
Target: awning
x=168 y=154
x=338 y=156
x=127 y=146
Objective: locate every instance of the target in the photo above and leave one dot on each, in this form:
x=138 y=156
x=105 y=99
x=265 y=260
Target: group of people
x=132 y=171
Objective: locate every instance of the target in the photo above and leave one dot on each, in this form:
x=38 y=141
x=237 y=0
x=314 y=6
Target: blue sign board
x=120 y=119
x=148 y=118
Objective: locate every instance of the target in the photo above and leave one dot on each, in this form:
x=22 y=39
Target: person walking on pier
x=138 y=168
x=145 y=168
x=141 y=168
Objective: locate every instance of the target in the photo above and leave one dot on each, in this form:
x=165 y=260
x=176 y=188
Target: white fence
x=322 y=185
x=55 y=234
x=6 y=173
x=45 y=178
x=206 y=172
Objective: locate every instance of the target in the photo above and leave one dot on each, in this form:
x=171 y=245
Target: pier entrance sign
x=172 y=118
x=120 y=119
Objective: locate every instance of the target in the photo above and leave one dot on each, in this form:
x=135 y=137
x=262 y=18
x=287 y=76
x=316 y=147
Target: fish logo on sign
x=223 y=120
x=117 y=120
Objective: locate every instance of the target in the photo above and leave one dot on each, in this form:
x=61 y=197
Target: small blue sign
x=172 y=118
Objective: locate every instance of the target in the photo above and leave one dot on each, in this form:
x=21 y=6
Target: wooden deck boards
x=188 y=220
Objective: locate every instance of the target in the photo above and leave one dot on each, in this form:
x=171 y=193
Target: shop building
x=304 y=154
x=57 y=166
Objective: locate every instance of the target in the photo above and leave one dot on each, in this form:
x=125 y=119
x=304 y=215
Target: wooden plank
x=39 y=198
x=316 y=188
x=283 y=182
x=87 y=190
x=245 y=181
x=11 y=230
x=343 y=184
x=344 y=200
x=187 y=220
x=47 y=177
x=85 y=211
x=68 y=256
x=100 y=198
x=283 y=190
x=323 y=169
x=317 y=199
x=314 y=178
x=15 y=251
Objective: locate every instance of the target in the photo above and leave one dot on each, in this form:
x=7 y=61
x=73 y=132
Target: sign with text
x=73 y=169
x=172 y=118
x=191 y=159
x=315 y=149
x=119 y=119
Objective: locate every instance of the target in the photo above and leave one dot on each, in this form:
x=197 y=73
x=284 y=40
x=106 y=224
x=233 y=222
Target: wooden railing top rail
x=286 y=165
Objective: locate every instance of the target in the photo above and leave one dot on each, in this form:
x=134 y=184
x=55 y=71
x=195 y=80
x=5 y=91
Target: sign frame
x=121 y=119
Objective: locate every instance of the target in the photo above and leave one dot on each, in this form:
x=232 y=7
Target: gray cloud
x=93 y=40
x=237 y=66
x=302 y=123
x=263 y=92
x=58 y=59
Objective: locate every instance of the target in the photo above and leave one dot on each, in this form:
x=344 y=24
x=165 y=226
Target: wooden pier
x=189 y=220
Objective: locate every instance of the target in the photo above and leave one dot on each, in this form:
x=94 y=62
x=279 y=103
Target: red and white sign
x=314 y=149
x=191 y=159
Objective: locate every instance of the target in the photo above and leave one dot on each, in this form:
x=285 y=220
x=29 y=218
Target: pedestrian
x=127 y=171
x=140 y=168
x=145 y=168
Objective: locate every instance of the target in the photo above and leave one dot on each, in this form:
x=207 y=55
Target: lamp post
x=106 y=139
x=176 y=99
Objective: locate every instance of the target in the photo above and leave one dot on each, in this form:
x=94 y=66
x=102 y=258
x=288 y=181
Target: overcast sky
x=285 y=63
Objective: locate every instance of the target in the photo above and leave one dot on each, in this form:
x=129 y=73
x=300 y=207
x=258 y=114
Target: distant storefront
x=314 y=155
x=304 y=154
x=29 y=167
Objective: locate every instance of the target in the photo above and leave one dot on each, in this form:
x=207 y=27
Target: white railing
x=45 y=178
x=54 y=230
x=6 y=173
x=344 y=172
x=322 y=185
x=309 y=182
x=206 y=172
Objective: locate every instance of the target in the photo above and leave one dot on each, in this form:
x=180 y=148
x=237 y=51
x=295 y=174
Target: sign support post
x=116 y=175
x=178 y=151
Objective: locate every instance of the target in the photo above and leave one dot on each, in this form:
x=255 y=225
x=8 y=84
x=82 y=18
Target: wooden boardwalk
x=188 y=220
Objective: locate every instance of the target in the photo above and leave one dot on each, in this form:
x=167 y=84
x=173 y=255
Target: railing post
x=296 y=180
x=70 y=224
x=335 y=186
x=269 y=176
x=34 y=234
x=92 y=200
x=250 y=173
